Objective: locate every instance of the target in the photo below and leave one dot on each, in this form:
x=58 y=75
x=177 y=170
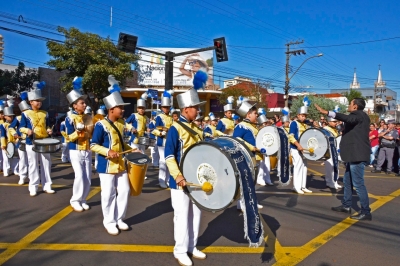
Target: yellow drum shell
x=136 y=175
x=273 y=160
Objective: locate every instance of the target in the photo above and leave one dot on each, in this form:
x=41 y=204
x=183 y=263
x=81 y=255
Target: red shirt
x=375 y=141
x=278 y=124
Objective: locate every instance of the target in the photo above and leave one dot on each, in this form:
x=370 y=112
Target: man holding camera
x=387 y=145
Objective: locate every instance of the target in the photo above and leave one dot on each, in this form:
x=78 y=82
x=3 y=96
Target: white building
x=234 y=81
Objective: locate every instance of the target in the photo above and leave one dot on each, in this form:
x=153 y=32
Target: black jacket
x=355 y=145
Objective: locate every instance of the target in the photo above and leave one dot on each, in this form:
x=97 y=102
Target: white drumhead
x=268 y=138
x=316 y=139
x=205 y=162
x=46 y=141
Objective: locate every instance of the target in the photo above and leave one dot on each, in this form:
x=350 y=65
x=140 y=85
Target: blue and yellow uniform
x=74 y=141
x=178 y=140
x=37 y=121
x=225 y=126
x=296 y=128
x=210 y=132
x=247 y=132
x=162 y=120
x=138 y=122
x=105 y=138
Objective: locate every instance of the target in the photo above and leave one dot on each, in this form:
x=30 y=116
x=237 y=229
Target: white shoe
x=297 y=191
x=112 y=230
x=259 y=206
x=197 y=254
x=85 y=206
x=338 y=186
x=33 y=194
x=261 y=183
x=50 y=191
x=183 y=259
x=145 y=177
x=331 y=186
x=77 y=207
x=122 y=226
x=305 y=190
x=21 y=182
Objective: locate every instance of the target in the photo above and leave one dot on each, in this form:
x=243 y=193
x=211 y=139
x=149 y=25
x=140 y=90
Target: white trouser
x=155 y=156
x=299 y=170
x=263 y=174
x=8 y=164
x=45 y=167
x=113 y=206
x=329 y=174
x=65 y=153
x=81 y=162
x=23 y=165
x=163 y=173
x=186 y=222
x=96 y=157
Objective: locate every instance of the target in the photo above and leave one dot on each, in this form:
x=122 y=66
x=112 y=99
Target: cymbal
x=88 y=122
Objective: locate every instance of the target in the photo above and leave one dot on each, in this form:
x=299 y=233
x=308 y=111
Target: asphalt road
x=299 y=229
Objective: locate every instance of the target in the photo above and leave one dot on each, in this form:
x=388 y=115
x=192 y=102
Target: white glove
x=163 y=133
x=80 y=126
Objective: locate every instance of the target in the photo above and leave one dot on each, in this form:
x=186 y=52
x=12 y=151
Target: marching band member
x=34 y=123
x=155 y=157
x=329 y=172
x=286 y=123
x=210 y=131
x=137 y=123
x=107 y=142
x=264 y=177
x=100 y=114
x=8 y=134
x=297 y=128
x=181 y=135
x=236 y=119
x=79 y=146
x=175 y=114
x=247 y=131
x=198 y=120
x=1 y=122
x=163 y=123
x=23 y=157
x=226 y=125
x=64 y=142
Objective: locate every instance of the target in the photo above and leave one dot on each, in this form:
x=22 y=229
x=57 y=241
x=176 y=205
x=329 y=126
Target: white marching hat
x=76 y=93
x=23 y=105
x=8 y=111
x=142 y=101
x=331 y=119
x=262 y=118
x=212 y=116
x=2 y=106
x=304 y=108
x=191 y=97
x=285 y=118
x=101 y=110
x=88 y=110
x=166 y=99
x=245 y=108
x=36 y=92
x=115 y=98
x=229 y=105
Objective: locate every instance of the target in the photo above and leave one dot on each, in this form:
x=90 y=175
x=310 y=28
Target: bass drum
x=213 y=161
x=268 y=139
x=316 y=139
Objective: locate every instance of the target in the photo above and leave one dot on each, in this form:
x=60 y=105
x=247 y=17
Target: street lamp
x=288 y=79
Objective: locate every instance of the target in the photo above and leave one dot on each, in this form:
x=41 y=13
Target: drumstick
x=206 y=187
x=123 y=152
x=310 y=150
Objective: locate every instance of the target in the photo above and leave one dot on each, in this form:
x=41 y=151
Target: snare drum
x=22 y=144
x=268 y=139
x=137 y=168
x=46 y=145
x=213 y=161
x=147 y=141
x=10 y=150
x=273 y=160
x=318 y=140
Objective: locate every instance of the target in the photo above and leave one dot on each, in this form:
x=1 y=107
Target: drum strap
x=119 y=134
x=188 y=129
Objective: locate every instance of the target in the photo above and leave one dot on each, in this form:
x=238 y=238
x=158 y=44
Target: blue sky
x=245 y=24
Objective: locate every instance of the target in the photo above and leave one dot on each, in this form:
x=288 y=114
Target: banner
x=151 y=67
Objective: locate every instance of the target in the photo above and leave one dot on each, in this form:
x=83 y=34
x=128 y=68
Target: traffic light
x=1 y=49
x=220 y=49
x=127 y=43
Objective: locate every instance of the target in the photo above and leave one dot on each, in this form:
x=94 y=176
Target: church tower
x=380 y=83
x=355 y=84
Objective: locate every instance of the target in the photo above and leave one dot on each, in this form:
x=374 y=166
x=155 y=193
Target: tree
x=232 y=91
x=325 y=103
x=351 y=94
x=89 y=56
x=18 y=80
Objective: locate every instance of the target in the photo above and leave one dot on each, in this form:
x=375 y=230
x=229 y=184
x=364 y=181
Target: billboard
x=151 y=67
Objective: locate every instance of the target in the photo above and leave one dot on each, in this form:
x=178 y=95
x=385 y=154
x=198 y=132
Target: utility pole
x=288 y=54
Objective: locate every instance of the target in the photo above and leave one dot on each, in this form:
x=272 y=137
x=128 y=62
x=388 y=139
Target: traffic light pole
x=287 y=79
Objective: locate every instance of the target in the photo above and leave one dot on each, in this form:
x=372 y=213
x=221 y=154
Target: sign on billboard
x=151 y=67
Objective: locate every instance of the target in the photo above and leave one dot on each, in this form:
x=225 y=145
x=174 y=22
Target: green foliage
x=210 y=62
x=325 y=103
x=20 y=79
x=351 y=94
x=89 y=56
x=232 y=91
